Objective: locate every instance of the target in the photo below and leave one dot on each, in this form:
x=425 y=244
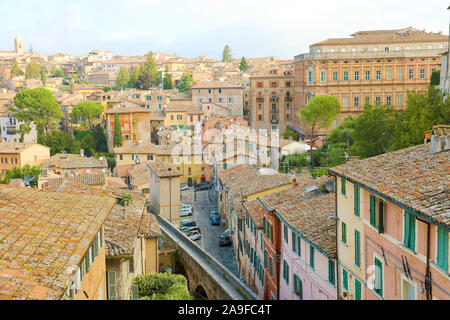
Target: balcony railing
x=373 y=54
x=273 y=111
x=259 y=99
x=274 y=121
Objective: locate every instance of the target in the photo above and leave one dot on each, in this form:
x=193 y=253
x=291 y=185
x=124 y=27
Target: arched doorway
x=200 y=293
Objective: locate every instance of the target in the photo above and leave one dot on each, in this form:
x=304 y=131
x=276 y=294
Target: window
x=344 y=232
x=298 y=286
x=357 y=290
x=271 y=266
x=331 y=271
x=345 y=279
x=294 y=241
x=409 y=238
x=408 y=289
x=399 y=101
x=323 y=76
x=376 y=213
x=286 y=237
x=356 y=75
x=288 y=84
x=265 y=259
x=311 y=256
x=285 y=271
x=377 y=101
x=389 y=74
x=411 y=74
x=343 y=186
x=367 y=100
x=356 y=200
x=357 y=249
x=310 y=77
x=345 y=101
x=111 y=280
x=149 y=157
x=442 y=248
x=356 y=101
x=230 y=100
x=335 y=76
x=378 y=75
x=388 y=100
x=367 y=76
x=345 y=75
x=378 y=286
x=400 y=74
x=422 y=74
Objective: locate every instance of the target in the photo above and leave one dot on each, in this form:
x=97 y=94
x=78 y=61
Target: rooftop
x=43 y=237
x=412 y=177
x=16 y=147
x=215 y=85
x=163 y=169
x=307 y=213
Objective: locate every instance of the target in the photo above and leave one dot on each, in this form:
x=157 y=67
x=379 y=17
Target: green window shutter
x=295 y=283
x=356 y=189
x=412 y=232
x=331 y=271
x=311 y=256
x=380 y=217
x=287 y=273
x=343 y=191
x=372 y=210
x=265 y=260
x=82 y=272
x=442 y=249
x=357 y=248
x=357 y=290
x=87 y=260
x=293 y=241
x=345 y=279
x=264 y=225
x=299 y=249
x=406 y=230
x=344 y=232
x=300 y=289
x=378 y=277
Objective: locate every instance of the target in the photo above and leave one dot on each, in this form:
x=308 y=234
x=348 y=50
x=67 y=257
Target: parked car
x=225 y=241
x=183 y=205
x=184 y=187
x=215 y=218
x=203 y=186
x=185 y=213
x=213 y=213
x=195 y=235
x=190 y=229
x=187 y=223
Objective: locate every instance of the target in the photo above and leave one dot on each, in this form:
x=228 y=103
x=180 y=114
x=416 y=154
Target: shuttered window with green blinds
x=343 y=187
x=298 y=286
x=442 y=248
x=409 y=231
x=372 y=210
x=378 y=277
x=344 y=232
x=357 y=290
x=356 y=196
x=357 y=248
x=344 y=279
x=332 y=272
x=311 y=256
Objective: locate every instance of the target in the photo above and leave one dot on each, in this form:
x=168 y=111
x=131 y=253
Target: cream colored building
x=19 y=154
x=372 y=67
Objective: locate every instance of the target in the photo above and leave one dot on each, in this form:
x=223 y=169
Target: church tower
x=18 y=45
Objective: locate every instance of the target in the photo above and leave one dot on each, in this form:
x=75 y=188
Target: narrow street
x=210 y=233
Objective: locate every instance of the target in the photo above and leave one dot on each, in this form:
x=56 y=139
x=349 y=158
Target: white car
x=195 y=235
x=184 y=187
x=185 y=213
x=183 y=206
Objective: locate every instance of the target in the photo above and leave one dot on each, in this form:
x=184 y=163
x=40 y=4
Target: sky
x=191 y=28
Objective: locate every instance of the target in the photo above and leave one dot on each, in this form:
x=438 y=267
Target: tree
x=373 y=131
x=167 y=81
x=435 y=78
x=319 y=113
x=15 y=70
x=243 y=66
x=123 y=78
x=148 y=76
x=20 y=173
x=162 y=286
x=423 y=111
x=226 y=54
x=33 y=70
x=38 y=106
x=185 y=82
x=43 y=74
x=57 y=72
x=59 y=142
x=290 y=133
x=145 y=81
x=86 y=111
x=134 y=76
x=118 y=139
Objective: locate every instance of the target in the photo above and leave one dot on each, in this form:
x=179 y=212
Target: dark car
x=225 y=241
x=187 y=223
x=215 y=218
x=202 y=187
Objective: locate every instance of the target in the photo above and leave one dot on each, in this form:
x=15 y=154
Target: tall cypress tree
x=118 y=140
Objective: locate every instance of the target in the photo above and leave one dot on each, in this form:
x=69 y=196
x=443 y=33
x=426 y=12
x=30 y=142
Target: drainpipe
x=277 y=252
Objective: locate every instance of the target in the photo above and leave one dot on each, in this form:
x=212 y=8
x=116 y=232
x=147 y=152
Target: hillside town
x=321 y=177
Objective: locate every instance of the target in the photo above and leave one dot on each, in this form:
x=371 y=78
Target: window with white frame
x=356 y=101
x=367 y=75
x=389 y=74
x=345 y=101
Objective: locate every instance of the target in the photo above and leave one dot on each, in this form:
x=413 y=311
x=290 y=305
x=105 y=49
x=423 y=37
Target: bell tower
x=18 y=45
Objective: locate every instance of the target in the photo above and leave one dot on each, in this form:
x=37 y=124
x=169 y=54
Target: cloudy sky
x=252 y=28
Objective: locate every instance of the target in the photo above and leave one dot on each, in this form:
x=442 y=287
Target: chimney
x=440 y=139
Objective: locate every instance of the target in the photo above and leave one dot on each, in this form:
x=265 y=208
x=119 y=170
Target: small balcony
x=259 y=99
x=273 y=111
x=288 y=99
x=274 y=121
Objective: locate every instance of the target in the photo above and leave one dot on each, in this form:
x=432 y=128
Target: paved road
x=210 y=234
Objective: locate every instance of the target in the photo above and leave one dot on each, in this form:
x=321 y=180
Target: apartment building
x=225 y=94
x=393 y=223
x=271 y=100
x=41 y=264
x=372 y=67
x=19 y=154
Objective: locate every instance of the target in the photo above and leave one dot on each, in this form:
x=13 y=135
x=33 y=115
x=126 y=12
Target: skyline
x=135 y=27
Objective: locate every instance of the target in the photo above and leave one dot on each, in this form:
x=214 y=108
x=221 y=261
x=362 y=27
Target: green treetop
x=118 y=139
x=123 y=78
x=167 y=81
x=318 y=114
x=226 y=54
x=38 y=106
x=185 y=82
x=15 y=70
x=86 y=111
x=33 y=70
x=243 y=66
